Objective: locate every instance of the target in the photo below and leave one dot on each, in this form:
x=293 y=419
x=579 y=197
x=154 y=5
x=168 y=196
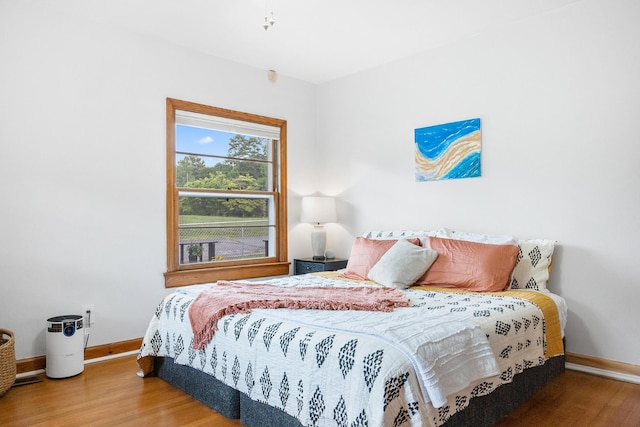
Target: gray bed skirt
x=482 y=411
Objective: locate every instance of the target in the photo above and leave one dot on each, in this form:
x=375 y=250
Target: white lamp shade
x=318 y=210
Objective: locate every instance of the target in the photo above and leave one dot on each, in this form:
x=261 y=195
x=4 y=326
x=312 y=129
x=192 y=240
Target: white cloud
x=205 y=140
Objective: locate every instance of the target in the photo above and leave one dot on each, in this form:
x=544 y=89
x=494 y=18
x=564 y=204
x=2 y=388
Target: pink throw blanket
x=235 y=297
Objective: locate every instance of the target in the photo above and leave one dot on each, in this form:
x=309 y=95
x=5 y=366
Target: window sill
x=208 y=275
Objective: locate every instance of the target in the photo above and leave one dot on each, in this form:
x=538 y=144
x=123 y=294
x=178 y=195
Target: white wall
x=558 y=97
x=82 y=165
x=82 y=139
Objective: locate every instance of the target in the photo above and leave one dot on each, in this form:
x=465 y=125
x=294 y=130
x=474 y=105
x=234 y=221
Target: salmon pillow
x=470 y=266
x=365 y=253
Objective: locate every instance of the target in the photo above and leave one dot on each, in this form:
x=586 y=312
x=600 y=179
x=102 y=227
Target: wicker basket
x=7 y=361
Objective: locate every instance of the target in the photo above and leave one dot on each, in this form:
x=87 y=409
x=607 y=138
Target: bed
x=455 y=355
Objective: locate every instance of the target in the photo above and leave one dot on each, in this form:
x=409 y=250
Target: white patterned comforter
x=329 y=368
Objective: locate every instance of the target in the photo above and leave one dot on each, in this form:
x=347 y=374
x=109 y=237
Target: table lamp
x=318 y=211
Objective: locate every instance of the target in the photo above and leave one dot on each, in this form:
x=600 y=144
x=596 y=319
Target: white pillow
x=403 y=234
x=532 y=265
x=402 y=265
x=479 y=237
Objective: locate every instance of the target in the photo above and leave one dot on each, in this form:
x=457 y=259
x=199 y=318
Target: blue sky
x=202 y=141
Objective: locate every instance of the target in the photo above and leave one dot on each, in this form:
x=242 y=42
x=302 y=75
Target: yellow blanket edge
x=553 y=336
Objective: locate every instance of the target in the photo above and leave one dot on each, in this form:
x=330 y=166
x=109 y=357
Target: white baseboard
x=111 y=356
x=30 y=373
x=635 y=379
x=86 y=362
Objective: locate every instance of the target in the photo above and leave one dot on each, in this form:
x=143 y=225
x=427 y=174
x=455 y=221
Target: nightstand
x=310 y=265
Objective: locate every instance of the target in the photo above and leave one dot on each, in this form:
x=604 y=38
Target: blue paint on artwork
x=468 y=167
x=434 y=140
x=448 y=151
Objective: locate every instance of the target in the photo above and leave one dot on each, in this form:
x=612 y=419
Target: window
x=226 y=195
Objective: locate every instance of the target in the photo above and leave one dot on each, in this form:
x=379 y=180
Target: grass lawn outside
x=232 y=237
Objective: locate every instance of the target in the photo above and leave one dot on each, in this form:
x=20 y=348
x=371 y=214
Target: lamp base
x=318 y=241
x=319 y=258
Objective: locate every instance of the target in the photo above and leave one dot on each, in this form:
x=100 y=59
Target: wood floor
x=110 y=394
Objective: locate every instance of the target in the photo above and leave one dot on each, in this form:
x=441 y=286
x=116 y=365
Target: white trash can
x=65 y=346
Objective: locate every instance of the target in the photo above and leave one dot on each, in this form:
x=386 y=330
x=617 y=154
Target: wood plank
x=623 y=409
x=107 y=393
x=579 y=399
x=110 y=393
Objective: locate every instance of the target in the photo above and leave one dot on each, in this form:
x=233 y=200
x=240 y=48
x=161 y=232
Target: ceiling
x=312 y=40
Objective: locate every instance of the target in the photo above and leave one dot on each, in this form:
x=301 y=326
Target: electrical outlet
x=89 y=314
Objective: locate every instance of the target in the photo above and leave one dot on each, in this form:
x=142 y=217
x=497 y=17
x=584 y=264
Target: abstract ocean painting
x=448 y=151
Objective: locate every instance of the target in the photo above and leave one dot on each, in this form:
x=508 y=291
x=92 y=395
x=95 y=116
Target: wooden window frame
x=187 y=274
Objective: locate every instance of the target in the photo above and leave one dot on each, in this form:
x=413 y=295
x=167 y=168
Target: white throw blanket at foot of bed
x=446 y=355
